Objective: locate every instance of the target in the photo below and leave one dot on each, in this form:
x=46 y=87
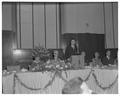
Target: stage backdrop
x=95 y=18
x=31 y=24
x=44 y=23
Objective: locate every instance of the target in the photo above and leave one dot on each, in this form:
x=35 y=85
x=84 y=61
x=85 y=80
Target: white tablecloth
x=39 y=80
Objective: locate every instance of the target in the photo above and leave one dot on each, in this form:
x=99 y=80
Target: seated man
x=76 y=86
x=108 y=60
x=83 y=59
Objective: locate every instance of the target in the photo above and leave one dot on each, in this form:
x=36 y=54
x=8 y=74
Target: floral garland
x=87 y=78
x=104 y=88
x=48 y=84
x=17 y=78
x=58 y=73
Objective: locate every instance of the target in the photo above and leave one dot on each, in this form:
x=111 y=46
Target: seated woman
x=56 y=60
x=96 y=61
x=55 y=57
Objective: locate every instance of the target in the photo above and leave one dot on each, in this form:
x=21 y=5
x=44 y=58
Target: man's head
x=56 y=53
x=108 y=53
x=83 y=53
x=96 y=54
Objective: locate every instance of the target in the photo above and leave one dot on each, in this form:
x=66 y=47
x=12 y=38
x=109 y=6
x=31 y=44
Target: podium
x=75 y=61
x=78 y=61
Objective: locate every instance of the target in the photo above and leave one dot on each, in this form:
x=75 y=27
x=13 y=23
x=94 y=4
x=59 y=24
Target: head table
x=101 y=81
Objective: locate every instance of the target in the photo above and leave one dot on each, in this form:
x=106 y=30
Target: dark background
x=90 y=43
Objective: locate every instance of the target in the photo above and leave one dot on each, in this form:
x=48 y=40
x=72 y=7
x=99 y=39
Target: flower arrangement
x=47 y=64
x=42 y=52
x=57 y=65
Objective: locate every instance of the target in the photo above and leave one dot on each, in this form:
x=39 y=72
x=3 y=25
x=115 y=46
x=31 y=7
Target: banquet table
x=34 y=82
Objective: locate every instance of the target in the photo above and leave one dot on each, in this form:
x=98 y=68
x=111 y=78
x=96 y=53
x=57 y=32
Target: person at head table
x=83 y=59
x=96 y=60
x=35 y=64
x=71 y=49
x=56 y=59
x=56 y=55
x=108 y=60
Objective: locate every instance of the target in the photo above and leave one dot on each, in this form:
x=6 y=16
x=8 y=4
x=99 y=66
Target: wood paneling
x=7 y=46
x=90 y=43
x=22 y=57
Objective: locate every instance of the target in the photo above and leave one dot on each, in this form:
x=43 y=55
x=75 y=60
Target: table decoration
x=92 y=74
x=42 y=52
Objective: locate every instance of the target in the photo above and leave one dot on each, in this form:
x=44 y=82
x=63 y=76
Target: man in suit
x=108 y=60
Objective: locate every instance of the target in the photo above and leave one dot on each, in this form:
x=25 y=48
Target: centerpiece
x=42 y=52
x=43 y=62
x=41 y=56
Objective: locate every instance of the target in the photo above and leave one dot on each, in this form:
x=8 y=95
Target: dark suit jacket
x=70 y=51
x=107 y=61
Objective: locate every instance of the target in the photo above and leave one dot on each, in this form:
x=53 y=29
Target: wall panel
x=115 y=17
x=57 y=25
x=26 y=36
x=109 y=26
x=39 y=25
x=83 y=18
x=74 y=18
x=51 y=26
x=18 y=25
x=6 y=16
x=91 y=18
x=26 y=26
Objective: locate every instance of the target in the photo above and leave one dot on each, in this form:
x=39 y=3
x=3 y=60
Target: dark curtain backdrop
x=89 y=43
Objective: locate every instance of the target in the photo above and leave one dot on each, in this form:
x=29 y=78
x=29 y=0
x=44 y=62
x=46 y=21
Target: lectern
x=75 y=61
